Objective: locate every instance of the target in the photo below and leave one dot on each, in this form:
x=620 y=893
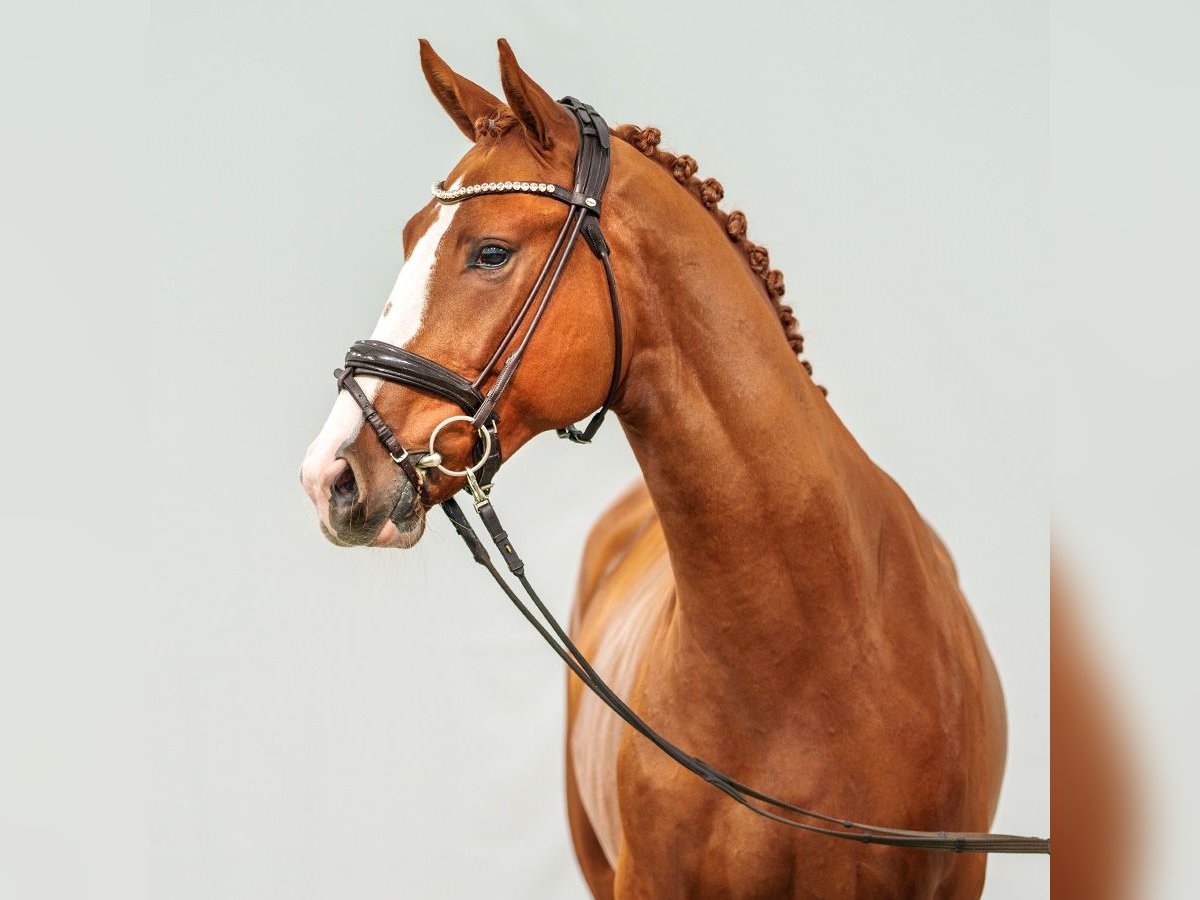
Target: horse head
x=469 y=286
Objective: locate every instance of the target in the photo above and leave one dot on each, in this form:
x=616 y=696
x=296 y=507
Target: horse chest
x=620 y=635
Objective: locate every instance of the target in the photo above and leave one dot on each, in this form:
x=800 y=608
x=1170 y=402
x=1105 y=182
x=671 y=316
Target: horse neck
x=757 y=483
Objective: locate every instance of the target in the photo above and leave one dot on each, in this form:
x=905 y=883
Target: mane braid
x=709 y=192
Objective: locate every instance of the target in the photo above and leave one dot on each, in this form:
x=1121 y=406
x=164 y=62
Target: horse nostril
x=344 y=490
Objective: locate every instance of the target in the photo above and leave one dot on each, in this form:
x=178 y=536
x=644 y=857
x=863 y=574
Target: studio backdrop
x=204 y=698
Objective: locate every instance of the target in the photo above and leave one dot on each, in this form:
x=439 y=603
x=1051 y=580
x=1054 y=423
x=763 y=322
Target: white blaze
x=405 y=308
x=397 y=325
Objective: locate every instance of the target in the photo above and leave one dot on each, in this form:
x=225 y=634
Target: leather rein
x=400 y=366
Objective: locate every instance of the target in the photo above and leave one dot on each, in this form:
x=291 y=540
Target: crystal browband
x=571 y=198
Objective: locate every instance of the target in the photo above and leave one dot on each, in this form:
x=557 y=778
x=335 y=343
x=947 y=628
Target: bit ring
x=483 y=458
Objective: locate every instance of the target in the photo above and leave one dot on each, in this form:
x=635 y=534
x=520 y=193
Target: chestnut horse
x=767 y=597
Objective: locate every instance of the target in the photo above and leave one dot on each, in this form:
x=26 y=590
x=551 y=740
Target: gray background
x=203 y=208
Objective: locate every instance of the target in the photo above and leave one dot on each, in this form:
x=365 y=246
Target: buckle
x=479 y=493
x=573 y=434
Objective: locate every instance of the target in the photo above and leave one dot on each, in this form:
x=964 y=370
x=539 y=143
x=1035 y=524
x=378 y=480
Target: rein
x=401 y=366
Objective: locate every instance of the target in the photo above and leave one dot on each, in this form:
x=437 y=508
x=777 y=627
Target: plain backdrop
x=204 y=699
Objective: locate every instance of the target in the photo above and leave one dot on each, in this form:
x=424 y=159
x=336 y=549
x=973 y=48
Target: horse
x=764 y=594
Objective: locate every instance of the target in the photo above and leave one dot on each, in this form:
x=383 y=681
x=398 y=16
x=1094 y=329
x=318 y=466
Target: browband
x=591 y=169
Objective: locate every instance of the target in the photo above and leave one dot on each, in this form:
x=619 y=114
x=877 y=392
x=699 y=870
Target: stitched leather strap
x=402 y=458
x=383 y=360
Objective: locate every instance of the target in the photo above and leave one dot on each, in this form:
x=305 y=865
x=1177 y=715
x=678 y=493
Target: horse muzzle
x=358 y=514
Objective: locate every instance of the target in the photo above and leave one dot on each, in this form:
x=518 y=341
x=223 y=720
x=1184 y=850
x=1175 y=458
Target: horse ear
x=463 y=99
x=539 y=115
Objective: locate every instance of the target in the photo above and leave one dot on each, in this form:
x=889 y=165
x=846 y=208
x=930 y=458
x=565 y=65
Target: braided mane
x=709 y=192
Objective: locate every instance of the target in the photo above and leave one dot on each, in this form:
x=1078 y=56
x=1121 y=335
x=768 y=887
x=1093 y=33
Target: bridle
x=401 y=366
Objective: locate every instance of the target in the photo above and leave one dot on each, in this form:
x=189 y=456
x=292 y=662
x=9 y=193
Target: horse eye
x=491 y=257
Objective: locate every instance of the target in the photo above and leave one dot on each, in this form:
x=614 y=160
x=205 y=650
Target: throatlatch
x=401 y=366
